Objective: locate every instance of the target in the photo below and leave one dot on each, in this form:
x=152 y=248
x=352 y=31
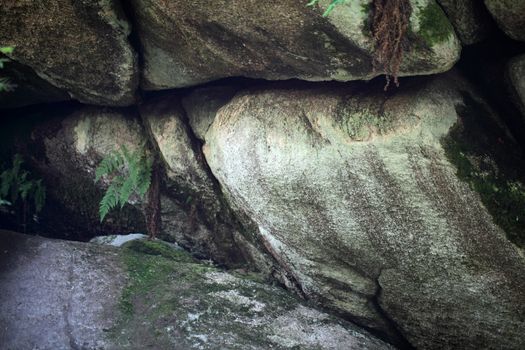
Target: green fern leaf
x=108 y=202
x=125 y=191
x=40 y=196
x=5 y=183
x=25 y=188
x=106 y=167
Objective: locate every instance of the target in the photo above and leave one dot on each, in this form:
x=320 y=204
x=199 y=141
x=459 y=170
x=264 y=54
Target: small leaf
x=6 y=50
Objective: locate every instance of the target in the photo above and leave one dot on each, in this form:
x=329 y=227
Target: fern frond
x=25 y=188
x=40 y=196
x=125 y=191
x=5 y=183
x=131 y=174
x=108 y=202
x=107 y=166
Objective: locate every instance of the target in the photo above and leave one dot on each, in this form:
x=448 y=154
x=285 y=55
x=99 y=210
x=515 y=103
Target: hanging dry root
x=153 y=221
x=389 y=26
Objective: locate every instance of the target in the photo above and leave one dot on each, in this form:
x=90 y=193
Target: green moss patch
x=171 y=298
x=492 y=164
x=434 y=25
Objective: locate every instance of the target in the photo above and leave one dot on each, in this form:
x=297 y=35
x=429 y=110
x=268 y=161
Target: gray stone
x=29 y=88
x=66 y=151
x=202 y=104
x=65 y=295
x=57 y=294
x=357 y=196
x=187 y=43
x=510 y=16
x=79 y=46
x=192 y=211
x=516 y=74
x=468 y=18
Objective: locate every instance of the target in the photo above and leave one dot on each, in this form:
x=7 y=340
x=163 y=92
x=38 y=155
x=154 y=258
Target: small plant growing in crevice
x=19 y=192
x=389 y=25
x=5 y=83
x=131 y=174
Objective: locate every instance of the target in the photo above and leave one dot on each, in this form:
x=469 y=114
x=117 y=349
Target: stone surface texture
x=510 y=16
x=186 y=44
x=355 y=195
x=516 y=74
x=468 y=18
x=64 y=295
x=79 y=46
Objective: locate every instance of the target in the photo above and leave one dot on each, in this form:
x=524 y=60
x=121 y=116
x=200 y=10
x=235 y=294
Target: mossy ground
x=492 y=165
x=170 y=302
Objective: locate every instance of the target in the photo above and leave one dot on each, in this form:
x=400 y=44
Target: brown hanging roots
x=389 y=26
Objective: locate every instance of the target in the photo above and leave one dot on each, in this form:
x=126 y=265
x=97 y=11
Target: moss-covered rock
x=174 y=301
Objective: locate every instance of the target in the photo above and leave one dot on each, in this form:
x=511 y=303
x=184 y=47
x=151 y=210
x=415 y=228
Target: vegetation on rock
x=389 y=24
x=131 y=174
x=17 y=190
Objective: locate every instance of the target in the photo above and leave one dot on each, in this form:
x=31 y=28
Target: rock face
x=509 y=14
x=56 y=294
x=186 y=44
x=516 y=73
x=29 y=88
x=65 y=151
x=358 y=195
x=197 y=219
x=78 y=46
x=202 y=104
x=468 y=18
x=61 y=295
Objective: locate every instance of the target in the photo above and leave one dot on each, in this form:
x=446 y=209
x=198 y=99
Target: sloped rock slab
x=64 y=295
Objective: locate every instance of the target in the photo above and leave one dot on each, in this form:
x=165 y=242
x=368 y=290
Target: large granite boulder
x=510 y=16
x=401 y=211
x=188 y=43
x=79 y=46
x=69 y=295
x=469 y=19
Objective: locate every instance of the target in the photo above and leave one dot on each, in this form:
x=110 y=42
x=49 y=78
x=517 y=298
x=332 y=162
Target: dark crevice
x=134 y=41
x=485 y=65
x=401 y=341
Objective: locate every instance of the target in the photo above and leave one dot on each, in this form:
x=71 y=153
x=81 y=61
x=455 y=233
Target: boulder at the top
x=510 y=16
x=27 y=88
x=78 y=46
x=188 y=43
x=385 y=207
